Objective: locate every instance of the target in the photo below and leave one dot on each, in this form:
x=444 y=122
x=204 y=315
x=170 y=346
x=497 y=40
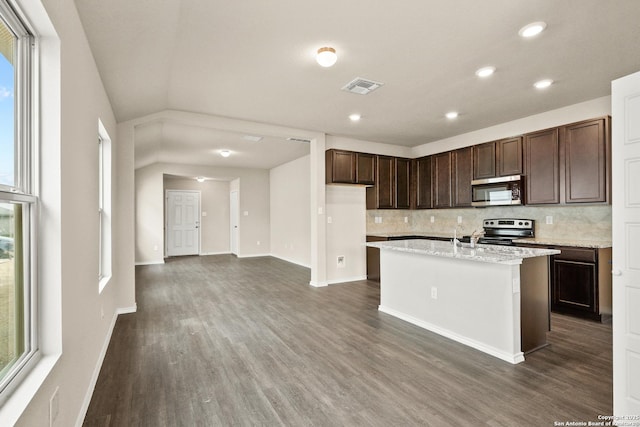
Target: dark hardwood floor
x=224 y=341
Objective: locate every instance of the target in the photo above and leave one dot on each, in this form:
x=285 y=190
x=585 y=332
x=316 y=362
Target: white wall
x=290 y=211
x=254 y=234
x=73 y=99
x=214 y=205
x=346 y=233
x=368 y=146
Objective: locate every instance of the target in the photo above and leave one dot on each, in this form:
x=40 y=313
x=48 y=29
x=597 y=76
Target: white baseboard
x=253 y=255
x=150 y=263
x=496 y=352
x=347 y=280
x=292 y=261
x=318 y=284
x=214 y=253
x=101 y=356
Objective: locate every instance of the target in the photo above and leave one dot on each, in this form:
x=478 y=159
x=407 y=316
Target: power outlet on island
x=549 y=219
x=434 y=292
x=340 y=261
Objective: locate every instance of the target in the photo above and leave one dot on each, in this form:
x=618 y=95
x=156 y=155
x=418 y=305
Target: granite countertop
x=435 y=234
x=483 y=253
x=551 y=241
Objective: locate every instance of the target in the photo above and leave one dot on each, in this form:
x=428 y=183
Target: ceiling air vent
x=306 y=141
x=361 y=86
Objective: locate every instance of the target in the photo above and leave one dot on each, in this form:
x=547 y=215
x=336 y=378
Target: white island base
x=500 y=307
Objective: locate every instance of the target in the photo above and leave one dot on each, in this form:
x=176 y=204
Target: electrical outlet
x=549 y=220
x=340 y=261
x=54 y=407
x=155 y=247
x=434 y=292
x=406 y=219
x=459 y=219
x=329 y=220
x=433 y=219
x=258 y=243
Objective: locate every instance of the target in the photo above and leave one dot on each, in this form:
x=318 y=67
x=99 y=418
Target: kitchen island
x=492 y=298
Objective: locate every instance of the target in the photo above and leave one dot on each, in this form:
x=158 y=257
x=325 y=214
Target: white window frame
x=24 y=192
x=104 y=207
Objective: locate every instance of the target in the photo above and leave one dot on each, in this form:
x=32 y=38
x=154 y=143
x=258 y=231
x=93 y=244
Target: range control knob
x=520 y=223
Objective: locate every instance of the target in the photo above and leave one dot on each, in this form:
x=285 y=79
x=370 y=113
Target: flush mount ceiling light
x=543 y=84
x=354 y=117
x=200 y=179
x=225 y=153
x=326 y=56
x=485 y=71
x=451 y=115
x=532 y=29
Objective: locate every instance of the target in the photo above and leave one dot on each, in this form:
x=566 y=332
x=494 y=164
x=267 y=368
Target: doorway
x=183 y=222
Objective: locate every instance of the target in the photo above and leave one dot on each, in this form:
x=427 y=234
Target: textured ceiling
x=253 y=60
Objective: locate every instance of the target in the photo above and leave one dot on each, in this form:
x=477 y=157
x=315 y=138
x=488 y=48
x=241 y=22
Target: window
x=104 y=206
x=18 y=199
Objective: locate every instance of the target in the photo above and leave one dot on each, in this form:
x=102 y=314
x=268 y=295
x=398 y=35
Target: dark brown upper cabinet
x=442 y=164
x=348 y=167
x=403 y=183
x=586 y=149
x=497 y=158
x=484 y=161
x=365 y=168
x=421 y=175
x=393 y=184
x=542 y=160
x=462 y=174
x=509 y=156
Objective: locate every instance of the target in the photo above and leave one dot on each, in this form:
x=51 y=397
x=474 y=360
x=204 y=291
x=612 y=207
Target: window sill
x=16 y=404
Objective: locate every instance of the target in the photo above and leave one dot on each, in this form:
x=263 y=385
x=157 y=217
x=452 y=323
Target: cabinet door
x=365 y=168
x=461 y=177
x=340 y=167
x=421 y=173
x=442 y=180
x=542 y=162
x=585 y=151
x=574 y=287
x=403 y=183
x=385 y=185
x=484 y=160
x=509 y=156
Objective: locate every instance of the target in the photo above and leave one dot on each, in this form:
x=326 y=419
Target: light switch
x=329 y=220
x=245 y=213
x=204 y=214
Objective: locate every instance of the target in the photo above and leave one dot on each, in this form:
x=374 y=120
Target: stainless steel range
x=503 y=231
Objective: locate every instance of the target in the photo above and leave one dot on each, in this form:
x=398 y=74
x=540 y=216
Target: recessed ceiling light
x=225 y=153
x=354 y=117
x=532 y=29
x=200 y=179
x=326 y=56
x=451 y=115
x=543 y=84
x=485 y=71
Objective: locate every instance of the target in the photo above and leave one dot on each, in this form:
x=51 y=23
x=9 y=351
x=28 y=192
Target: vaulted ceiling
x=254 y=60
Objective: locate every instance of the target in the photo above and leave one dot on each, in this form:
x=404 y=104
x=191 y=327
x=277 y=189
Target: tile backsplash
x=569 y=222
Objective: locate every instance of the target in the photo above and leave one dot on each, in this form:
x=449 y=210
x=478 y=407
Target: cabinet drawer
x=576 y=254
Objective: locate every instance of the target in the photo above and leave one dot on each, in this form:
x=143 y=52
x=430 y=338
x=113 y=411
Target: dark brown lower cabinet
x=581 y=282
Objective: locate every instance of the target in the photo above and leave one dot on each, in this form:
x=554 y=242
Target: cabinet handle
x=616 y=273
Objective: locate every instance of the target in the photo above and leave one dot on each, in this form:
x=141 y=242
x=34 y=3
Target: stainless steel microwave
x=504 y=190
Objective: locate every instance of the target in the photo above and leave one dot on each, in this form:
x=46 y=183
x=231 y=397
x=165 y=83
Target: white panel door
x=626 y=246
x=183 y=223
